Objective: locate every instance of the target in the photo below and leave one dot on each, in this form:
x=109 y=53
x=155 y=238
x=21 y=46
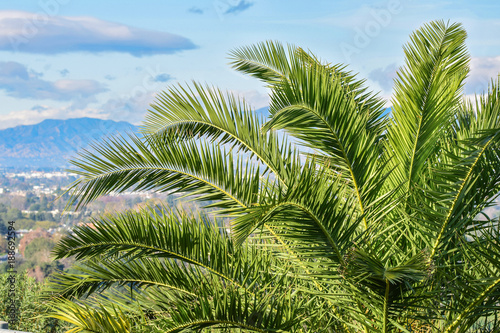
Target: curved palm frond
x=427 y=93
x=272 y=63
x=311 y=216
x=190 y=263
x=151 y=163
x=185 y=112
x=196 y=241
x=469 y=174
x=89 y=319
x=326 y=109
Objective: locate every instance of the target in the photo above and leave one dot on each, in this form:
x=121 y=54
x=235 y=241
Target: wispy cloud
x=239 y=7
x=17 y=81
x=41 y=112
x=492 y=211
x=130 y=108
x=482 y=71
x=162 y=78
x=195 y=10
x=256 y=99
x=64 y=72
x=126 y=108
x=24 y=32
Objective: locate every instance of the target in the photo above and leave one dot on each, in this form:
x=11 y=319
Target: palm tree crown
x=342 y=218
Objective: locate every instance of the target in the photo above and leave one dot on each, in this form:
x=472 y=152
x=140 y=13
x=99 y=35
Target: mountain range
x=51 y=143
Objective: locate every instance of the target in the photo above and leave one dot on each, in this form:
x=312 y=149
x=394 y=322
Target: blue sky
x=107 y=59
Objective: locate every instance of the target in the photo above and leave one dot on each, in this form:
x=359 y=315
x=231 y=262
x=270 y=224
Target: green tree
x=342 y=219
x=24 y=292
x=4 y=245
x=45 y=204
x=25 y=224
x=39 y=249
x=3 y=208
x=34 y=207
x=13 y=214
x=3 y=227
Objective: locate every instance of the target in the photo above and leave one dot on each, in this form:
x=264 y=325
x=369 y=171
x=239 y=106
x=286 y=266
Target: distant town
x=38 y=202
x=43 y=189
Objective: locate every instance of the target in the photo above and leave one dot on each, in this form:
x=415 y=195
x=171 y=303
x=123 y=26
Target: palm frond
x=468 y=174
x=341 y=219
x=187 y=112
x=326 y=111
x=268 y=61
x=310 y=215
x=89 y=319
x=160 y=233
x=207 y=171
x=427 y=92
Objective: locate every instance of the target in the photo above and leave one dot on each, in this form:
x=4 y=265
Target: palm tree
x=342 y=218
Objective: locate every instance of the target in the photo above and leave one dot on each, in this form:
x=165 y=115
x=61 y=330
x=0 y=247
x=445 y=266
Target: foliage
x=342 y=219
x=35 y=254
x=30 y=309
x=38 y=245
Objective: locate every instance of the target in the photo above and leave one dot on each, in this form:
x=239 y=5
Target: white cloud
x=131 y=108
x=49 y=34
x=40 y=113
x=493 y=211
x=482 y=71
x=254 y=98
x=18 y=81
x=384 y=76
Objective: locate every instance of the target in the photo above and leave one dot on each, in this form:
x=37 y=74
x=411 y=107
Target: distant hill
x=49 y=144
